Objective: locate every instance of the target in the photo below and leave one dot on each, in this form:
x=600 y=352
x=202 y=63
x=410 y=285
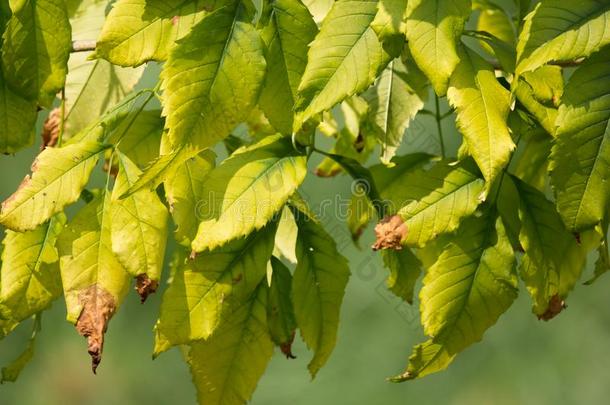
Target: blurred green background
x=521 y=360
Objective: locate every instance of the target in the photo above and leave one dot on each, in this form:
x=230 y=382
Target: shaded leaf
x=318 y=286
x=291 y=28
x=207 y=289
x=472 y=283
x=280 y=313
x=30 y=270
x=580 y=159
x=561 y=31
x=227 y=366
x=36 y=47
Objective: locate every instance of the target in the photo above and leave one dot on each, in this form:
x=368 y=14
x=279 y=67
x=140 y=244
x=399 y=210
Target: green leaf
x=394 y=100
x=12 y=371
x=580 y=159
x=138 y=31
x=545 y=115
x=360 y=212
x=185 y=194
x=318 y=286
x=227 y=366
x=472 y=283
x=58 y=177
x=436 y=200
x=343 y=60
x=212 y=78
x=280 y=313
x=494 y=20
x=546 y=83
x=559 y=31
x=287 y=37
x=37 y=44
x=405 y=269
x=162 y=168
x=92 y=86
x=319 y=8
x=207 y=289
x=30 y=270
x=533 y=153
x=433 y=31
x=139 y=137
x=247 y=189
x=553 y=259
x=286 y=236
x=138 y=224
x=390 y=19
x=17 y=119
x=482 y=106
x=389 y=179
x=94 y=281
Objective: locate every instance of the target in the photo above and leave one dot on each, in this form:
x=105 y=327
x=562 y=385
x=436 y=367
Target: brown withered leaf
x=556 y=305
x=145 y=286
x=98 y=307
x=51 y=128
x=389 y=233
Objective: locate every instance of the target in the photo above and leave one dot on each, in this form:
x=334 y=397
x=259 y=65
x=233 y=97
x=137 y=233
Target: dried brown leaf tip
x=145 y=286
x=51 y=128
x=556 y=305
x=286 y=348
x=390 y=233
x=98 y=307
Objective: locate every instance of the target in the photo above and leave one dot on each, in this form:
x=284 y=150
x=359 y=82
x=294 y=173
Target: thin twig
x=83 y=46
x=439 y=127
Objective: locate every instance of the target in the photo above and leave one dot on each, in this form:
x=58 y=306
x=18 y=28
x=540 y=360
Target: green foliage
x=248 y=94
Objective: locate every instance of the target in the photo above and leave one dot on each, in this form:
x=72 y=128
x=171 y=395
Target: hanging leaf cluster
x=214 y=151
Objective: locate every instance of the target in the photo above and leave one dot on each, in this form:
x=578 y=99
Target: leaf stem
x=62 y=118
x=439 y=127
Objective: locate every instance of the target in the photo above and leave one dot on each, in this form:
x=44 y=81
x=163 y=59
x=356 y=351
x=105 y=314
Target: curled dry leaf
x=145 y=286
x=556 y=305
x=98 y=307
x=51 y=128
x=389 y=233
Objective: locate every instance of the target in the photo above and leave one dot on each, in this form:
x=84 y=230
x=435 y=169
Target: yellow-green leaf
x=207 y=289
x=433 y=31
x=318 y=286
x=343 y=60
x=58 y=177
x=482 y=106
x=227 y=366
x=138 y=31
x=247 y=189
x=30 y=270
x=212 y=78
x=139 y=224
